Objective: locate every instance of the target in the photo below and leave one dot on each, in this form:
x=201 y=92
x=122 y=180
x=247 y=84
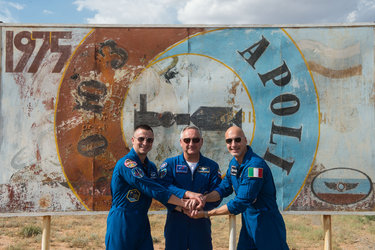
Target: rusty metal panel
x=71 y=96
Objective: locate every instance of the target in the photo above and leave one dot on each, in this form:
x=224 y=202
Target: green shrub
x=79 y=241
x=30 y=230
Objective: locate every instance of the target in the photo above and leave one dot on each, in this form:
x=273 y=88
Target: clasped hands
x=193 y=204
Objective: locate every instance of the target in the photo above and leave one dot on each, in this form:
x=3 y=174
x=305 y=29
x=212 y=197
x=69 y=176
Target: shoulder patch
x=255 y=172
x=129 y=163
x=164 y=165
x=163 y=172
x=138 y=172
x=202 y=169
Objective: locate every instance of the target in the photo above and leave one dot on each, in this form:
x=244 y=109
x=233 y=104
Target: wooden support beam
x=46 y=232
x=232 y=232
x=327 y=232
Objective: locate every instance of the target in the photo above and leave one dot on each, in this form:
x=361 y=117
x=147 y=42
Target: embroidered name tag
x=181 y=169
x=205 y=170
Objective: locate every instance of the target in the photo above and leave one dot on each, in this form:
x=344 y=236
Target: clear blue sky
x=43 y=11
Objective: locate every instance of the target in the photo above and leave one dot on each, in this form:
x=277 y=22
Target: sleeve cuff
x=219 y=191
x=231 y=208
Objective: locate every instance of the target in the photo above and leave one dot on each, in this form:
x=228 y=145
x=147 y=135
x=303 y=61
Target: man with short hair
x=133 y=186
x=189 y=175
x=250 y=177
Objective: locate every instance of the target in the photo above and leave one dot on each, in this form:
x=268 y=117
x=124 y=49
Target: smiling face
x=189 y=145
x=141 y=142
x=236 y=143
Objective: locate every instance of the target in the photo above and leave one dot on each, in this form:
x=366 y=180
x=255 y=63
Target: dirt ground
x=88 y=232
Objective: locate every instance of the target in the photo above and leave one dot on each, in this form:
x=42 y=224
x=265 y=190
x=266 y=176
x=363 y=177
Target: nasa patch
x=129 y=163
x=154 y=175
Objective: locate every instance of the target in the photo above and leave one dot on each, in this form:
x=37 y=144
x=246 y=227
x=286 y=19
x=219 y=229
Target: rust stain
x=45 y=202
x=334 y=73
x=88 y=114
x=233 y=91
x=49 y=104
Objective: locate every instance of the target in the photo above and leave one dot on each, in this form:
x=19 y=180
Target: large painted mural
x=70 y=98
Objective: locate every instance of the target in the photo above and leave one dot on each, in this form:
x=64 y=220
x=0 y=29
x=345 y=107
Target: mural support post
x=327 y=232
x=46 y=232
x=232 y=232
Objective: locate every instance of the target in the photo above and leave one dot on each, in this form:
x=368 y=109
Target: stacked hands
x=193 y=205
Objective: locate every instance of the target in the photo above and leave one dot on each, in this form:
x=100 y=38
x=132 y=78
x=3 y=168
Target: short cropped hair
x=191 y=127
x=143 y=126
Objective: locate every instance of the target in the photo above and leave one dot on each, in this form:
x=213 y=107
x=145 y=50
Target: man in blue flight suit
x=133 y=186
x=189 y=175
x=263 y=226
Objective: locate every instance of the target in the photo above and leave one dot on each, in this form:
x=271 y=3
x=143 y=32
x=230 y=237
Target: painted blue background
x=224 y=45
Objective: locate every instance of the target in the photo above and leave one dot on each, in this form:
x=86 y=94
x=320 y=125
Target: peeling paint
x=304 y=97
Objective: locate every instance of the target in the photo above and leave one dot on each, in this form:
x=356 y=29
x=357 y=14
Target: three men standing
x=190 y=175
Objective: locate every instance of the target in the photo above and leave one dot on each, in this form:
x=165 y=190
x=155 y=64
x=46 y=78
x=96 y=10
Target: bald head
x=236 y=142
x=234 y=130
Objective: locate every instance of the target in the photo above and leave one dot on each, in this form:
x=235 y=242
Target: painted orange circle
x=90 y=100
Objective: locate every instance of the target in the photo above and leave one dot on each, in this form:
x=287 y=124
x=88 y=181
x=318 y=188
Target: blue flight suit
x=181 y=232
x=263 y=226
x=133 y=186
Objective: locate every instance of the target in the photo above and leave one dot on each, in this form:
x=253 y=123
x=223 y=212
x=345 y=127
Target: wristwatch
x=206 y=214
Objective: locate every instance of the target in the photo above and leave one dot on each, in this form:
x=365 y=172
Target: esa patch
x=204 y=170
x=233 y=170
x=138 y=172
x=182 y=169
x=163 y=172
x=133 y=195
x=130 y=164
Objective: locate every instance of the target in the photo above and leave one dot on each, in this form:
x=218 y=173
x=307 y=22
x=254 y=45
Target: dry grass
x=88 y=232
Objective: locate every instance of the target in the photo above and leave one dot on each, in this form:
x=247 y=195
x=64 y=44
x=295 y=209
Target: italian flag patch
x=256 y=172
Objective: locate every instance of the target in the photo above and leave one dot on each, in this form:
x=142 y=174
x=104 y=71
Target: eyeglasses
x=229 y=140
x=194 y=140
x=148 y=140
